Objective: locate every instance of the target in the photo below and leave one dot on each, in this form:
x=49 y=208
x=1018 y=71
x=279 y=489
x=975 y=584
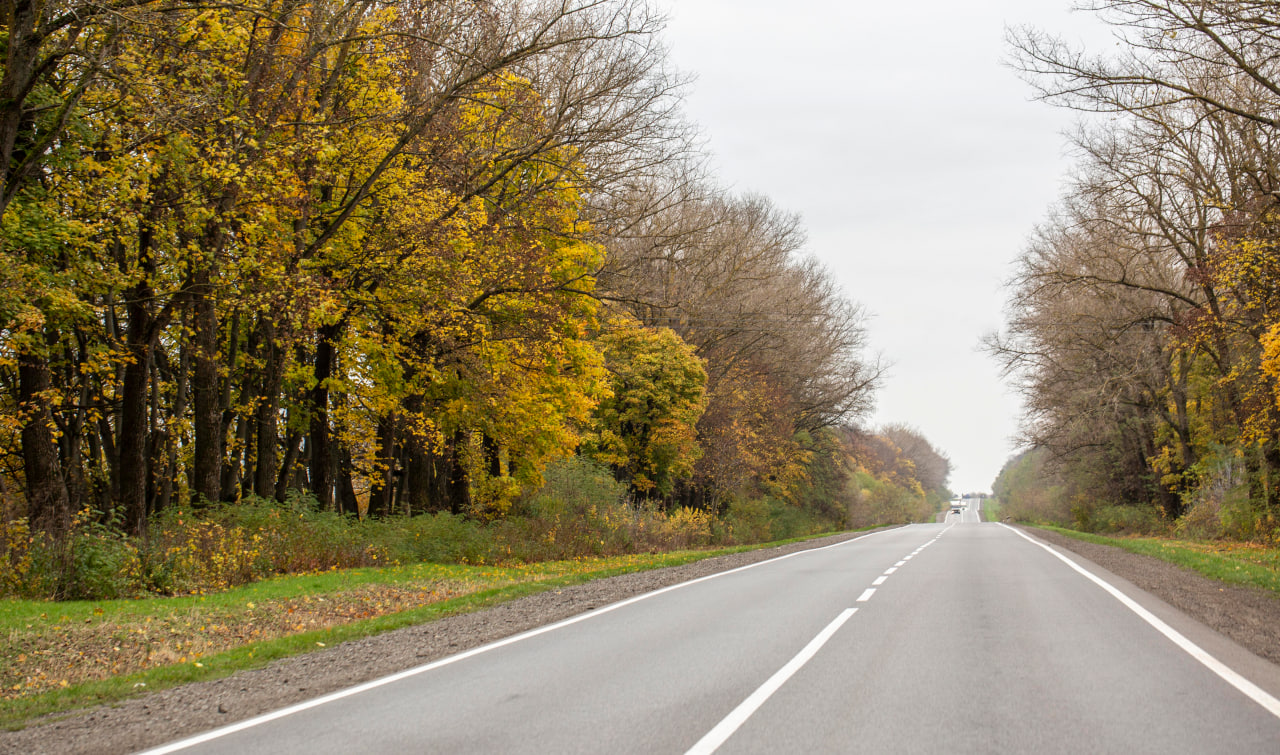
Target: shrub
x=1239 y=518
x=15 y=555
x=747 y=520
x=101 y=564
x=686 y=528
x=91 y=561
x=788 y=521
x=192 y=555
x=1119 y=520
x=441 y=538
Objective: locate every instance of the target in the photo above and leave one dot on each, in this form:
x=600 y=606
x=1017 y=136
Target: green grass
x=25 y=621
x=990 y=510
x=1235 y=563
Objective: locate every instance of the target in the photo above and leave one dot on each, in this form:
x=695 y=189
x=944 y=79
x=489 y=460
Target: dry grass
x=56 y=651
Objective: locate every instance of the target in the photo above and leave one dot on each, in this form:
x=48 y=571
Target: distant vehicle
x=957 y=505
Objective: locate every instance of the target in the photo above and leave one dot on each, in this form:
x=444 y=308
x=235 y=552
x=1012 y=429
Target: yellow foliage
x=15 y=555
x=206 y=555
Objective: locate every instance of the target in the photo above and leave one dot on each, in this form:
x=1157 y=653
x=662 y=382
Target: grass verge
x=57 y=657
x=990 y=509
x=1236 y=563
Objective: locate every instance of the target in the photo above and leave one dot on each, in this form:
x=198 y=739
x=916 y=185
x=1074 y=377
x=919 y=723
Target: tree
x=1140 y=315
x=646 y=431
x=783 y=347
x=930 y=466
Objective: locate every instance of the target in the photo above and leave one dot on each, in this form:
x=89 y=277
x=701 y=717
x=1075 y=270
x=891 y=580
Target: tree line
x=394 y=256
x=1143 y=323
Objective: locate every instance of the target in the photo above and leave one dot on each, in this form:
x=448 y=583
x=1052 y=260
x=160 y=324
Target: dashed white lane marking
x=739 y=715
x=1229 y=675
x=447 y=660
x=732 y=722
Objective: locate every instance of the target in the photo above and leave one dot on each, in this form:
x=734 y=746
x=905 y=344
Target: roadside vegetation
x=288 y=287
x=991 y=510
x=1143 y=321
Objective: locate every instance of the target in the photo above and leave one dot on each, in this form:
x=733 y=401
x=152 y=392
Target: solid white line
x=1229 y=675
x=879 y=580
x=349 y=691
x=739 y=715
x=866 y=595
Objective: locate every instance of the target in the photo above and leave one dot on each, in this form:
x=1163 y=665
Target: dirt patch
x=1248 y=615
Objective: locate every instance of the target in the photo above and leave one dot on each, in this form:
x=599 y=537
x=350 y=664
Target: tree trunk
x=267 y=409
x=382 y=496
x=348 y=503
x=171 y=441
x=321 y=460
x=21 y=17
x=234 y=458
x=492 y=456
x=207 y=419
x=292 y=451
x=459 y=485
x=48 y=505
x=132 y=436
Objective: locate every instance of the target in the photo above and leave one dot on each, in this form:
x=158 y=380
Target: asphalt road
x=950 y=637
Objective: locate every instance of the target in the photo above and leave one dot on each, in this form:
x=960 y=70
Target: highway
x=951 y=637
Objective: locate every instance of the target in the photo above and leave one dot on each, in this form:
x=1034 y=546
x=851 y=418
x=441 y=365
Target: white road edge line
x=712 y=740
x=209 y=736
x=1229 y=675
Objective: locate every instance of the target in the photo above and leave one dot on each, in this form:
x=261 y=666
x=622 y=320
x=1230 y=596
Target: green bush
x=91 y=562
x=1119 y=520
x=1239 y=517
x=438 y=538
x=747 y=520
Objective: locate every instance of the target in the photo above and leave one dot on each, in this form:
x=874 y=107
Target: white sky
x=918 y=162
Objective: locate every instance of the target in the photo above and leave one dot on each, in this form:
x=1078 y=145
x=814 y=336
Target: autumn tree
x=783 y=347
x=1141 y=313
x=308 y=198
x=930 y=466
x=647 y=429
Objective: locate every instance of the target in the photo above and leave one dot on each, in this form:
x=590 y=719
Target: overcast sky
x=918 y=162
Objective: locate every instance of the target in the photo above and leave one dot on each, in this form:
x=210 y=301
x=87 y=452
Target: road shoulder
x=1249 y=616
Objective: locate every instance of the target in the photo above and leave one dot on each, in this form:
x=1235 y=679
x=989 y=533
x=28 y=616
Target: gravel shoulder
x=1251 y=617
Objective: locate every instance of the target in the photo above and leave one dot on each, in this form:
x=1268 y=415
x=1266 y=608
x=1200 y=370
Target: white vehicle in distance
x=957 y=505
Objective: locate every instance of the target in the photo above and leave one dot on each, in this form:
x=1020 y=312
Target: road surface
x=949 y=637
